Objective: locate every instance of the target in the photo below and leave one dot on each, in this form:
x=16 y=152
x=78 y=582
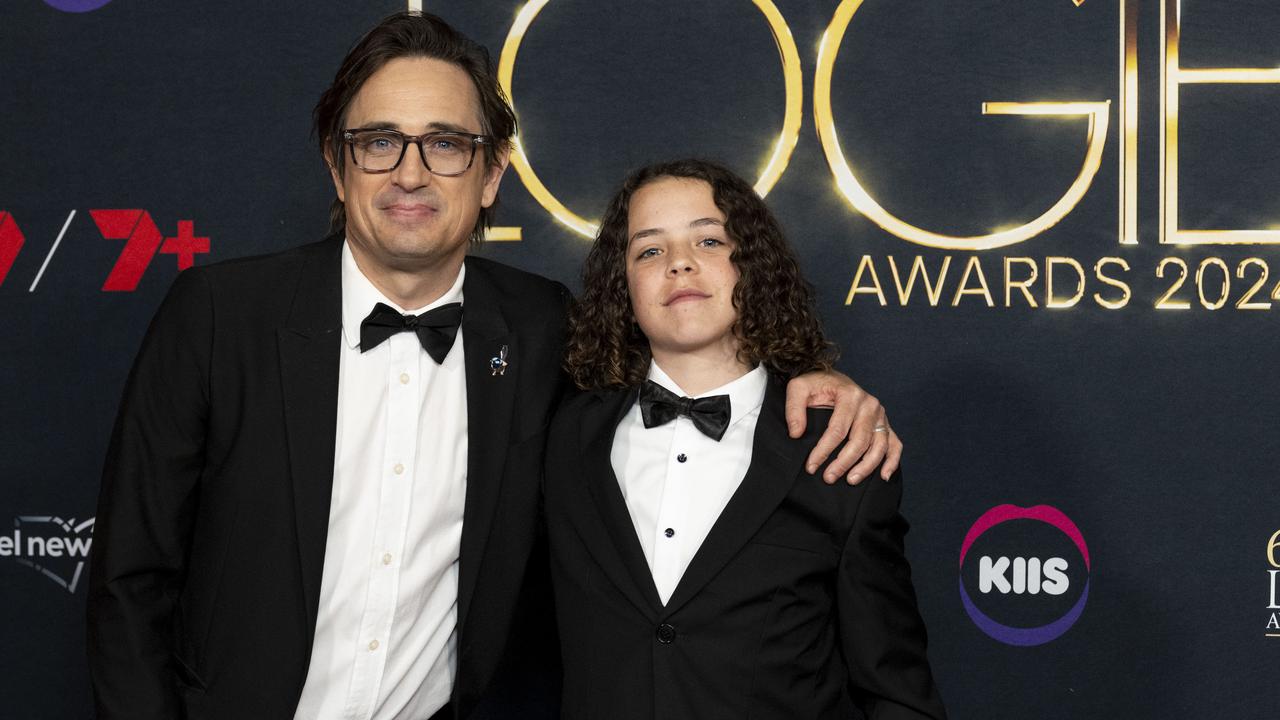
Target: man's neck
x=415 y=288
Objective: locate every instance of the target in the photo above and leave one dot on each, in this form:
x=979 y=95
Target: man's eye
x=710 y=242
x=647 y=253
x=380 y=144
x=445 y=145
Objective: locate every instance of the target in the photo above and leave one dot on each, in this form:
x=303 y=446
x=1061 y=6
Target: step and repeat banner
x=1046 y=233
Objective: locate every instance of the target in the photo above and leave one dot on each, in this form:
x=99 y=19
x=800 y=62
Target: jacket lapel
x=776 y=460
x=490 y=397
x=309 y=356
x=617 y=549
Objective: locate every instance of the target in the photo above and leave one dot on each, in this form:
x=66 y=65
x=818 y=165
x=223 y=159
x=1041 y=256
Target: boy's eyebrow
x=648 y=232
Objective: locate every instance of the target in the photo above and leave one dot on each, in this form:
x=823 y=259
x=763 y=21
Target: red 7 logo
x=142 y=238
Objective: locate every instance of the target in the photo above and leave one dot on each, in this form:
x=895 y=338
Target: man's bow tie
x=659 y=406
x=436 y=328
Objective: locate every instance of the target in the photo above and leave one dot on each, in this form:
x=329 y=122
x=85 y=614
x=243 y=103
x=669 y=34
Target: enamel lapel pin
x=498 y=363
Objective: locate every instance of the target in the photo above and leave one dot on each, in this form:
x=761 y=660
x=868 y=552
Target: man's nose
x=412 y=172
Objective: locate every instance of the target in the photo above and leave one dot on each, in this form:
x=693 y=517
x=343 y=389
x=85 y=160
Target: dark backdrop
x=1151 y=430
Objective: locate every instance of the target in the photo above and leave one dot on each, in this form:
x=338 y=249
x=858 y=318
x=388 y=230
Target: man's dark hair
x=777 y=324
x=409 y=35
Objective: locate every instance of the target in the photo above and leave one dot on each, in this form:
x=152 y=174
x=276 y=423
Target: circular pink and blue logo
x=1024 y=572
x=76 y=6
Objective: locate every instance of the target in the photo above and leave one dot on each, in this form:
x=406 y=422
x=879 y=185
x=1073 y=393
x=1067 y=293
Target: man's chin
x=416 y=252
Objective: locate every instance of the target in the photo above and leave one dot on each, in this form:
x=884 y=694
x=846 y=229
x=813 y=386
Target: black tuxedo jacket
x=213 y=515
x=798 y=604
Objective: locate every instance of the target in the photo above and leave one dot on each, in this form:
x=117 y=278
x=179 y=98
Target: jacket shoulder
x=522 y=294
x=255 y=277
x=589 y=412
x=573 y=407
x=269 y=265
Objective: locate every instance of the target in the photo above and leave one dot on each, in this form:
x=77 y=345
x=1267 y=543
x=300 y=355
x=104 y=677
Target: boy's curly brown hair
x=777 y=324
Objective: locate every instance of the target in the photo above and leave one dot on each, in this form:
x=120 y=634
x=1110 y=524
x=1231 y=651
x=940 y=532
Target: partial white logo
x=53 y=547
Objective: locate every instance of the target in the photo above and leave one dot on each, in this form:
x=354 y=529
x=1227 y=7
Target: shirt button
x=386 y=559
x=669 y=532
x=373 y=646
x=681 y=457
x=666 y=634
x=404 y=378
x=398 y=469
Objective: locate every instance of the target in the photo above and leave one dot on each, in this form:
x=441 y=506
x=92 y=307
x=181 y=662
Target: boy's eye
x=710 y=242
x=648 y=253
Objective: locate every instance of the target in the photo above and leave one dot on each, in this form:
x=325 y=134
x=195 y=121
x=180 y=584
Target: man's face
x=679 y=273
x=409 y=220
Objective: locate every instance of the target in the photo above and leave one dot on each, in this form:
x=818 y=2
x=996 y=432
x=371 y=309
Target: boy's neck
x=698 y=372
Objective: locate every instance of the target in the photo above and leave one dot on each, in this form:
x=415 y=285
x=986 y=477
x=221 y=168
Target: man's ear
x=493 y=177
x=335 y=173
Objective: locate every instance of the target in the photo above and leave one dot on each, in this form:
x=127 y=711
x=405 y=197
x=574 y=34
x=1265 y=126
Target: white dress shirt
x=386 y=639
x=676 y=480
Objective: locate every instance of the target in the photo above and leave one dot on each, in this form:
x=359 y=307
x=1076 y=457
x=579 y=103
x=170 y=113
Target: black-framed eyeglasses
x=443 y=153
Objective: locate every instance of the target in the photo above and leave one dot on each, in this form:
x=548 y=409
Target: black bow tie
x=659 y=406
x=436 y=328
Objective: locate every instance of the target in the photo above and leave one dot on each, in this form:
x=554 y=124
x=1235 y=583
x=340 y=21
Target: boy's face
x=679 y=275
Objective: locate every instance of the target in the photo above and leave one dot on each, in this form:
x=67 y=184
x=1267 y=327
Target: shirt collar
x=745 y=393
x=359 y=296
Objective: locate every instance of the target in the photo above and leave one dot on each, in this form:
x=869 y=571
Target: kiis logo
x=51 y=546
x=76 y=6
x=1024 y=569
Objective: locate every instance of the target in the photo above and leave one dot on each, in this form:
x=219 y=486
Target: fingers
x=866 y=448
x=797 y=416
x=871 y=458
x=893 y=457
x=861 y=407
x=837 y=430
x=858 y=421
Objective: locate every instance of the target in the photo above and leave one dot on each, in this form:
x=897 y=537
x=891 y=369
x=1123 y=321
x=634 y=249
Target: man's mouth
x=409 y=210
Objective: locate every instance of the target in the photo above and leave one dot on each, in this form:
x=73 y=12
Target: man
x=309 y=513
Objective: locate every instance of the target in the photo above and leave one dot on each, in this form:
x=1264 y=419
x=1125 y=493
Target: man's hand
x=858 y=416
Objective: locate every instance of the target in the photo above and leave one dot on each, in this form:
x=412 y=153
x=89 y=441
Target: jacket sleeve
x=882 y=635
x=146 y=509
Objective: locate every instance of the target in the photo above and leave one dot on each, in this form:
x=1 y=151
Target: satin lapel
x=607 y=527
x=776 y=460
x=490 y=398
x=309 y=355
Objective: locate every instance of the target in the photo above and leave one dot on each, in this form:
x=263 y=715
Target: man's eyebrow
x=705 y=221
x=431 y=127
x=447 y=127
x=378 y=125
